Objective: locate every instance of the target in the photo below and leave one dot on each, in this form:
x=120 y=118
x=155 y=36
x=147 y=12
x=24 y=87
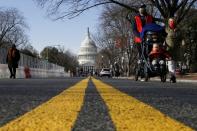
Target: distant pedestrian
x=117 y=70
x=96 y=74
x=13 y=57
x=27 y=72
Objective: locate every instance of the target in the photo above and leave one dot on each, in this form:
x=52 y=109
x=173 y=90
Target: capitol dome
x=88 y=51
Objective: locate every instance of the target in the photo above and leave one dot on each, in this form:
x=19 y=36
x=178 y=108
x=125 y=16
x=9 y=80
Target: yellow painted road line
x=130 y=114
x=57 y=114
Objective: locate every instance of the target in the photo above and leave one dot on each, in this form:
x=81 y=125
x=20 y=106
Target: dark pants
x=139 y=49
x=12 y=69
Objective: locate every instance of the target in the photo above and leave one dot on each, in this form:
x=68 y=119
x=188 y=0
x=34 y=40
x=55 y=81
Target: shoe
x=173 y=79
x=11 y=76
x=142 y=80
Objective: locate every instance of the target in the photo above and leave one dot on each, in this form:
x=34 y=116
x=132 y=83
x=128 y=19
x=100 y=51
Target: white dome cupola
x=88 y=42
x=88 y=51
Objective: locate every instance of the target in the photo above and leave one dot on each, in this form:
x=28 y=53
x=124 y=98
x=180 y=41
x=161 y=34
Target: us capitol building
x=87 y=54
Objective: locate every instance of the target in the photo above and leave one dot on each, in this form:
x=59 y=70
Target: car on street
x=105 y=72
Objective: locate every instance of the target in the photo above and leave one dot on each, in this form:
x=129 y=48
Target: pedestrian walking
x=27 y=72
x=13 y=57
x=142 y=19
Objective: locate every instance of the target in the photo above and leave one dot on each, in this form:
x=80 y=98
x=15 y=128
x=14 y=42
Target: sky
x=44 y=32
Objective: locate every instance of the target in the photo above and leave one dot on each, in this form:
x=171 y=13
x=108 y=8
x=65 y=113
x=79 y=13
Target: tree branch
x=158 y=6
x=76 y=12
x=124 y=5
x=185 y=11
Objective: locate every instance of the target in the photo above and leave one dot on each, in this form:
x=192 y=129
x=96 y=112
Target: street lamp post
x=122 y=64
x=102 y=61
x=48 y=51
x=47 y=63
x=47 y=54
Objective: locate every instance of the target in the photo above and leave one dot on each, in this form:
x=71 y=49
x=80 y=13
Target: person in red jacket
x=158 y=52
x=140 y=20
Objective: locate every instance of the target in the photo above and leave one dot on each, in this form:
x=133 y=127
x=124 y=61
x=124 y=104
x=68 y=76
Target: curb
x=178 y=80
x=157 y=79
x=190 y=81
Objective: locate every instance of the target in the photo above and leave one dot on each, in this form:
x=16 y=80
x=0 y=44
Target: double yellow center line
x=58 y=114
x=130 y=114
x=127 y=113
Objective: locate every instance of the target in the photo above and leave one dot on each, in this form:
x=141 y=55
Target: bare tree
x=30 y=51
x=176 y=9
x=72 y=8
x=12 y=27
x=115 y=40
x=61 y=57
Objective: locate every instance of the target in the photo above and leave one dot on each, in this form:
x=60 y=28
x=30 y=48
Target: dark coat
x=13 y=57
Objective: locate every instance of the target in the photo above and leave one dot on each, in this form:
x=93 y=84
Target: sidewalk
x=190 y=77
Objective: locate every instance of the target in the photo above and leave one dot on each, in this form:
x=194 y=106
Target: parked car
x=105 y=72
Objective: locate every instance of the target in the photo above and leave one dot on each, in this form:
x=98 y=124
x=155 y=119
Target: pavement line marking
x=57 y=114
x=130 y=114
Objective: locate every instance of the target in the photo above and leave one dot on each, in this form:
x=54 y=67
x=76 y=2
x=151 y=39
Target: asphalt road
x=94 y=113
x=22 y=95
x=178 y=101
